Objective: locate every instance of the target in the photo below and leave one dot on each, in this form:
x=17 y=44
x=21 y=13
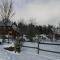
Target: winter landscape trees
x=30 y=30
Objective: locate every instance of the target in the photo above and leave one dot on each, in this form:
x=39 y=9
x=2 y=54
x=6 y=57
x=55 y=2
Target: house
x=8 y=30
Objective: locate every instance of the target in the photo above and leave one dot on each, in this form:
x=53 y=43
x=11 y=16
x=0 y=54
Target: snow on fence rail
x=39 y=49
x=49 y=43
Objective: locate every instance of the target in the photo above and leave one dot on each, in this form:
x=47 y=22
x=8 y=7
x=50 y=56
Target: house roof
x=10 y=24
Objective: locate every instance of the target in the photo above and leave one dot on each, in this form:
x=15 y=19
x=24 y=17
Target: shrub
x=10 y=48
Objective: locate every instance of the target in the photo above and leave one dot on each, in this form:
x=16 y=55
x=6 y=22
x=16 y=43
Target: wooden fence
x=39 y=49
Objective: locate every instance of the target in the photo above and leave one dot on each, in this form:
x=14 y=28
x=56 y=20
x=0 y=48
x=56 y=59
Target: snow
x=1 y=40
x=29 y=56
x=29 y=53
x=42 y=46
x=8 y=45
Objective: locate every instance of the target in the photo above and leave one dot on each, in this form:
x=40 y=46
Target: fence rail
x=43 y=49
x=49 y=43
x=44 y=43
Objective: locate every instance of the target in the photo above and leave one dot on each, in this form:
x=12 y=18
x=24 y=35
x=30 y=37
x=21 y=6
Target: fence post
x=38 y=44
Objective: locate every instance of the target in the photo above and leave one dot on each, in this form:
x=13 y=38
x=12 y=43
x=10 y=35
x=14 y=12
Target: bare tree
x=6 y=10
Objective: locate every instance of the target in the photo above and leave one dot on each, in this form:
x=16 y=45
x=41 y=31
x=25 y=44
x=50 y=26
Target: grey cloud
x=45 y=11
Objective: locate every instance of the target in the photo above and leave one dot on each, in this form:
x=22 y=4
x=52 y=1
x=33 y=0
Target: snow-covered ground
x=29 y=53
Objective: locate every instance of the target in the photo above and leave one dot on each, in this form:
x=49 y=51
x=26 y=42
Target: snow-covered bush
x=9 y=48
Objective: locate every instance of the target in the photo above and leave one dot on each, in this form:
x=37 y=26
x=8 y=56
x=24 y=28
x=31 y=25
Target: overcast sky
x=42 y=11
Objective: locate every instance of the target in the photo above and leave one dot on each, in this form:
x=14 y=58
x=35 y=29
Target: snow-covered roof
x=9 y=23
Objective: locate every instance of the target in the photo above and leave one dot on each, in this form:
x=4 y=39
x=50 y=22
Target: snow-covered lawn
x=8 y=45
x=29 y=53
